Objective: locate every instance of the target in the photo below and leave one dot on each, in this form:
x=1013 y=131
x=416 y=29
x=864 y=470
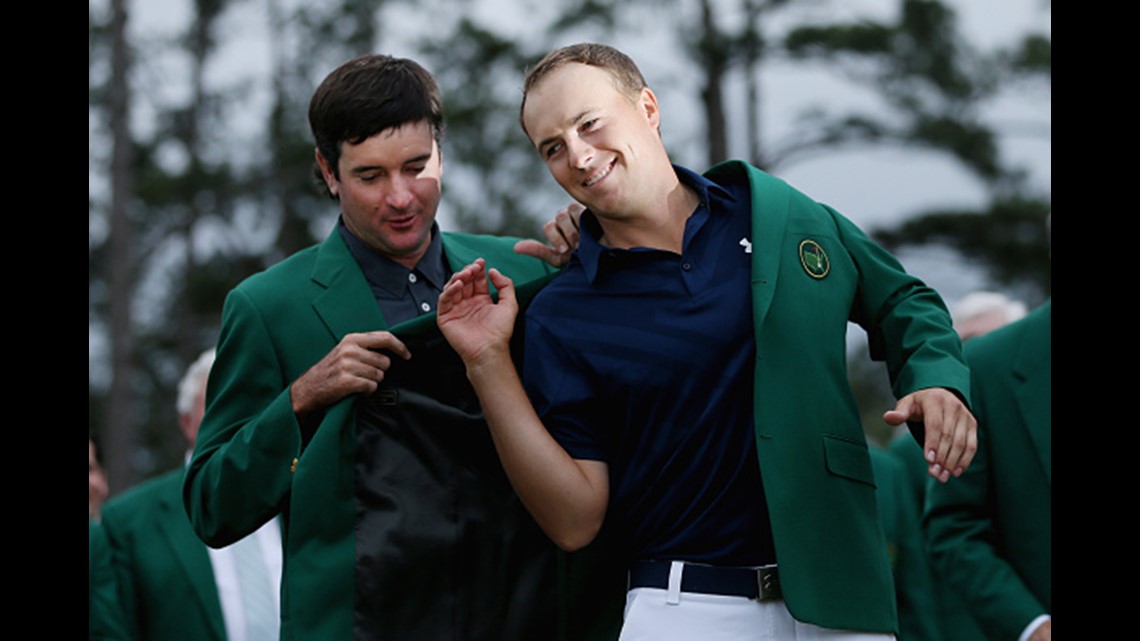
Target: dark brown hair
x=367 y=95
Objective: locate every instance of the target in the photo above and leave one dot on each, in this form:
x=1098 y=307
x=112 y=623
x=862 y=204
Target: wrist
x=490 y=362
x=297 y=400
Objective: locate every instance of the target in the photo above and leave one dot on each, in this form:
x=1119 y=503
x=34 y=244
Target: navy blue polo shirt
x=643 y=358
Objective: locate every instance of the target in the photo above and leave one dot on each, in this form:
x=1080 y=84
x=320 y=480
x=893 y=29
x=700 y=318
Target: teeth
x=600 y=175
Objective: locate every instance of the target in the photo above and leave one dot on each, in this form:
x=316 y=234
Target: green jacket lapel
x=340 y=306
x=191 y=553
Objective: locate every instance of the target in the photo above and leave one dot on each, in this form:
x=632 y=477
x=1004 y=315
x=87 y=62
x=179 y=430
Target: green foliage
x=826 y=40
x=1035 y=55
x=929 y=76
x=1008 y=239
x=972 y=143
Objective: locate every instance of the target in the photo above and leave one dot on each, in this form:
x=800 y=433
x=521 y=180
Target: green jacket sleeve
x=240 y=473
x=907 y=323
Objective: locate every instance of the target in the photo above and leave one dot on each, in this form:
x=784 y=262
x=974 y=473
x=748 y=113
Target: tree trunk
x=120 y=417
x=712 y=98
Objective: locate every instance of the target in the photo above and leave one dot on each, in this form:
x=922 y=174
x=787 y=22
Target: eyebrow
x=575 y=120
x=411 y=161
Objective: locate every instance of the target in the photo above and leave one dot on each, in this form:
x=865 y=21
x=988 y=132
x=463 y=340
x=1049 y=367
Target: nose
x=399 y=194
x=579 y=154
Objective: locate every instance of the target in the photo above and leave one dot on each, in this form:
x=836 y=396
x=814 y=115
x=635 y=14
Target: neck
x=658 y=225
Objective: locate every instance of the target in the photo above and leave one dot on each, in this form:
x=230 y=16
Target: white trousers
x=656 y=614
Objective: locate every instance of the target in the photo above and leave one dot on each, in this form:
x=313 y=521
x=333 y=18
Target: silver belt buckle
x=768 y=580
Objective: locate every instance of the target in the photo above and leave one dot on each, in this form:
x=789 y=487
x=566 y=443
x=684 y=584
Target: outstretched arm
x=951 y=432
x=566 y=496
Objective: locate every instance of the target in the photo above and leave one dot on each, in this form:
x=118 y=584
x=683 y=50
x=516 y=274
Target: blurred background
x=926 y=122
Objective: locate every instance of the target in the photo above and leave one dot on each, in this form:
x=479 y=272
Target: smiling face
x=389 y=189
x=601 y=145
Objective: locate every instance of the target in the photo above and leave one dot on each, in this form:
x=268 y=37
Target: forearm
x=567 y=497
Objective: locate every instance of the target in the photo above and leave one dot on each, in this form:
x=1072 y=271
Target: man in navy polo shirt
x=685 y=376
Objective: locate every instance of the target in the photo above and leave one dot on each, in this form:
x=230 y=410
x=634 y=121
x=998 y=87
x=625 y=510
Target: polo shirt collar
x=387 y=274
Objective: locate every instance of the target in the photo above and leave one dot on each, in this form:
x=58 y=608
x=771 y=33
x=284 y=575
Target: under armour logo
x=746 y=245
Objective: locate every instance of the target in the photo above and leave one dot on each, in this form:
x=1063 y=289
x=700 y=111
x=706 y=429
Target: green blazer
x=952 y=619
x=914 y=582
x=166 y=582
x=254 y=461
x=989 y=532
x=104 y=612
x=813 y=271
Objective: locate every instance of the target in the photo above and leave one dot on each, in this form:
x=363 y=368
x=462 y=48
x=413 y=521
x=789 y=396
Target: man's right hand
x=356 y=365
x=477 y=327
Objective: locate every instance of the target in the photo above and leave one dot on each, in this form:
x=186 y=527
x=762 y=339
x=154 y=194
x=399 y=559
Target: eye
x=552 y=149
x=590 y=124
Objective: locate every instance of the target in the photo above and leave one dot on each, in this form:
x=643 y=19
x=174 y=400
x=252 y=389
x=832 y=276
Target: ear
x=327 y=173
x=648 y=103
x=184 y=426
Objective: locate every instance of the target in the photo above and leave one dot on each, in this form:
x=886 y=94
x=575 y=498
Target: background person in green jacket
x=335 y=404
x=685 y=377
x=171 y=586
x=990 y=534
x=935 y=604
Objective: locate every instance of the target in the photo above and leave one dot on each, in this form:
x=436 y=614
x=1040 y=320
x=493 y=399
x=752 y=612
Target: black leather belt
x=761 y=583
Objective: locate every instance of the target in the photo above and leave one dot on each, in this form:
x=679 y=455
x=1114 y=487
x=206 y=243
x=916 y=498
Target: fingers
x=505 y=286
x=561 y=234
x=957 y=438
x=951 y=431
x=538 y=250
x=574 y=213
x=464 y=285
x=356 y=365
x=450 y=296
x=563 y=230
x=961 y=428
x=382 y=340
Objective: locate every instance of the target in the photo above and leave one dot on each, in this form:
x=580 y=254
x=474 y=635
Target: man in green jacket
x=686 y=386
x=171 y=585
x=990 y=534
x=335 y=405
